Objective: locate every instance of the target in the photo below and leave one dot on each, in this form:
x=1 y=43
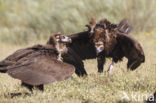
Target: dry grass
x=95 y=88
x=24 y=23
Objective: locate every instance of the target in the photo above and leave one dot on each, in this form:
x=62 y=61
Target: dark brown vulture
x=83 y=48
x=111 y=42
x=80 y=49
x=39 y=65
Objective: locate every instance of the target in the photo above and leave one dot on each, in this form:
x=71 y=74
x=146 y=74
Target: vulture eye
x=65 y=39
x=100 y=25
x=57 y=38
x=99 y=43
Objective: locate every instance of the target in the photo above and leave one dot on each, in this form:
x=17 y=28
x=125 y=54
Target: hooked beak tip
x=70 y=41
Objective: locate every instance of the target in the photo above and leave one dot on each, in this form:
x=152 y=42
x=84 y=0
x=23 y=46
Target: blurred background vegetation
x=23 y=21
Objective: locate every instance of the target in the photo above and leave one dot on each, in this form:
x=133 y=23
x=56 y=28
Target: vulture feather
x=39 y=64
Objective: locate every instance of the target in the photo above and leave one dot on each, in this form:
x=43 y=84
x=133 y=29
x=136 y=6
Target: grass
x=95 y=88
x=24 y=23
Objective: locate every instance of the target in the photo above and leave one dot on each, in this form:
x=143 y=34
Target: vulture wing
x=124 y=27
x=40 y=69
x=132 y=50
x=22 y=52
x=82 y=45
x=18 y=55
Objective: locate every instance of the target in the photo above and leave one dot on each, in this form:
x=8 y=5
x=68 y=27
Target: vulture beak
x=66 y=39
x=99 y=47
x=99 y=50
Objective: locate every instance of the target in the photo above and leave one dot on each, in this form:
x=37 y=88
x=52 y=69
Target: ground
x=119 y=87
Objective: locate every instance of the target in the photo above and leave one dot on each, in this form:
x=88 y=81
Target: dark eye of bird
x=97 y=45
x=62 y=37
x=100 y=26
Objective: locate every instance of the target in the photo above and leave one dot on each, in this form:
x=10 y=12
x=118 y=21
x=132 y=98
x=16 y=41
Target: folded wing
x=41 y=70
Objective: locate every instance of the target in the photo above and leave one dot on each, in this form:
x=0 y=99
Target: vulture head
x=100 y=34
x=59 y=38
x=100 y=37
x=103 y=33
x=59 y=41
x=107 y=37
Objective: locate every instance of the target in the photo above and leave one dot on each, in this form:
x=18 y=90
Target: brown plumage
x=39 y=65
x=132 y=50
x=81 y=48
x=117 y=45
x=122 y=27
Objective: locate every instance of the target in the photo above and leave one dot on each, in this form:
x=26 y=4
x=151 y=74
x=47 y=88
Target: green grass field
x=95 y=88
x=27 y=22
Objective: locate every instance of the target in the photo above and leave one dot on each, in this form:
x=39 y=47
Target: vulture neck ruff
x=61 y=48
